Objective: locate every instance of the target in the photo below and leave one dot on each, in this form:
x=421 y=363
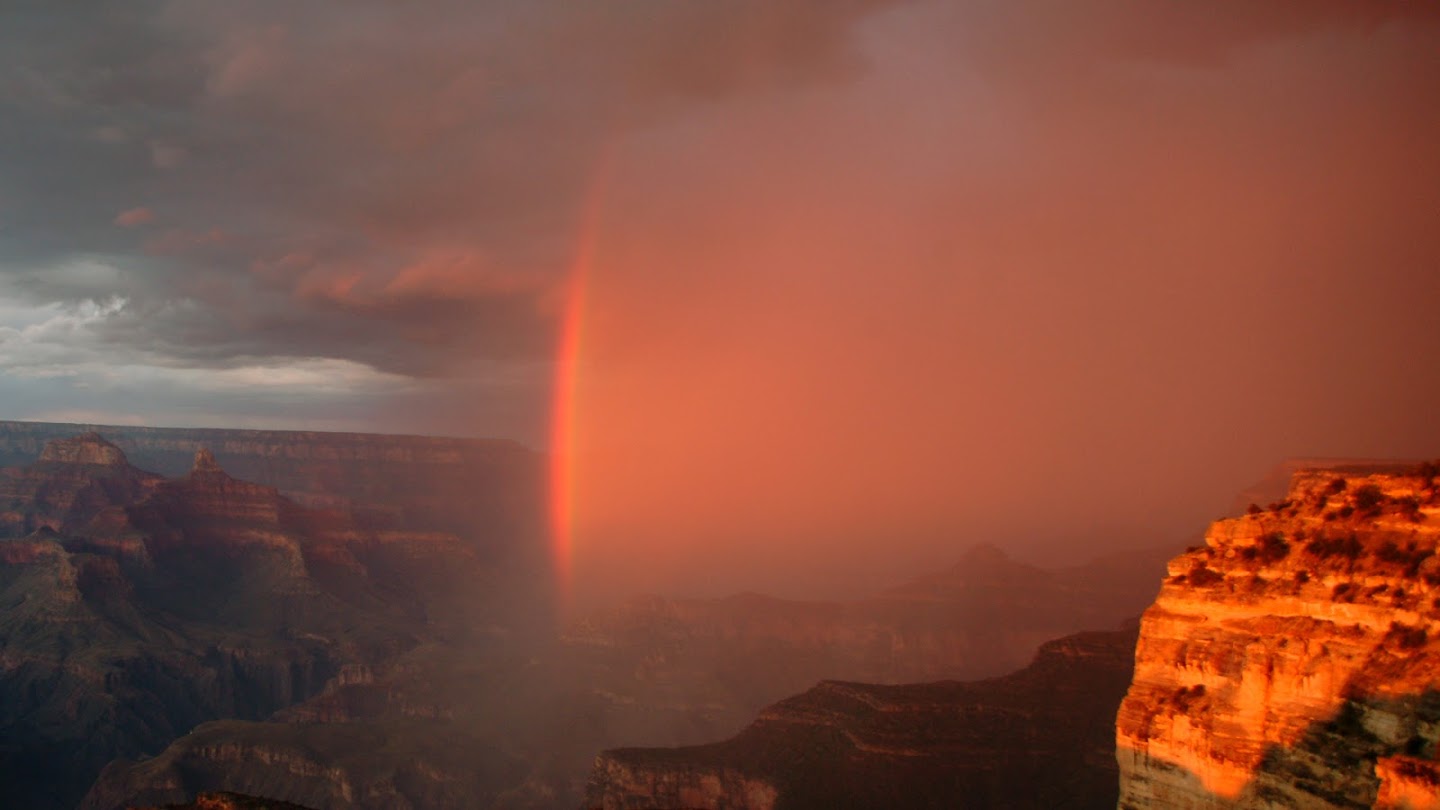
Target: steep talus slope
x=1294 y=659
x=1039 y=738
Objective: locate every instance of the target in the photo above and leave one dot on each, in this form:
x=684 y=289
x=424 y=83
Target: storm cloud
x=394 y=185
x=858 y=269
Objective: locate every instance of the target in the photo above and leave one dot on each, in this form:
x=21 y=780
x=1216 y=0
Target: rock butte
x=1293 y=660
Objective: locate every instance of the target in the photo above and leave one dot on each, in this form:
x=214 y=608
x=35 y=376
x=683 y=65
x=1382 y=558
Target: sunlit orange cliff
x=1293 y=660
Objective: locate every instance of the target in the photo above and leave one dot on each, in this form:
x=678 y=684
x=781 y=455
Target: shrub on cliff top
x=1185 y=696
x=1405 y=636
x=1201 y=576
x=1323 y=546
x=1273 y=547
x=1410 y=557
x=1368 y=499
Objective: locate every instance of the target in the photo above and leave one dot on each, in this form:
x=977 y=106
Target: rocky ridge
x=1294 y=659
x=1038 y=738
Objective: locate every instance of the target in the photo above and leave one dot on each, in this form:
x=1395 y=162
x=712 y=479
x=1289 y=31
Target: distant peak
x=86 y=448
x=985 y=553
x=205 y=462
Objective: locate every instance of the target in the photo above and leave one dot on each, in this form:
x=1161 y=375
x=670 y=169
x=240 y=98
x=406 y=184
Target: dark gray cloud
x=392 y=184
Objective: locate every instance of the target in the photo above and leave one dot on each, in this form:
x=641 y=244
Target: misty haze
x=726 y=404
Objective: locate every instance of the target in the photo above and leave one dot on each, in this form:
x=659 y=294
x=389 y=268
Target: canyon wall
x=1038 y=738
x=481 y=487
x=137 y=607
x=1293 y=660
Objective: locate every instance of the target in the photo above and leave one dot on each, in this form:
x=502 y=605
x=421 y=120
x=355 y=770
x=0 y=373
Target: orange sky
x=1065 y=300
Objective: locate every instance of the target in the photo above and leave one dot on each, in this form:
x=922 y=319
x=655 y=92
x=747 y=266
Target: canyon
x=654 y=671
x=333 y=638
x=137 y=607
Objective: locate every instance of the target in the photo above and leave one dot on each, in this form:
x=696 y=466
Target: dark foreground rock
x=229 y=801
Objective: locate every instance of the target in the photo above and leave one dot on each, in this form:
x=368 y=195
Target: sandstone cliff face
x=1294 y=659
x=1039 y=738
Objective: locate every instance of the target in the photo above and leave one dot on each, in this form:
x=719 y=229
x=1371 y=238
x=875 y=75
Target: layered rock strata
x=140 y=607
x=1293 y=660
x=409 y=482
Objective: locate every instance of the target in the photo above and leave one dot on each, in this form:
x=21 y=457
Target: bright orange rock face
x=1292 y=651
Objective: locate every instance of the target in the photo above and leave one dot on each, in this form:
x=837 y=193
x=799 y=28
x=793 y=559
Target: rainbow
x=566 y=385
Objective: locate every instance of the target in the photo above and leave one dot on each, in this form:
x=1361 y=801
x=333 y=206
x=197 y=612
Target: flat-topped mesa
x=86 y=448
x=1294 y=659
